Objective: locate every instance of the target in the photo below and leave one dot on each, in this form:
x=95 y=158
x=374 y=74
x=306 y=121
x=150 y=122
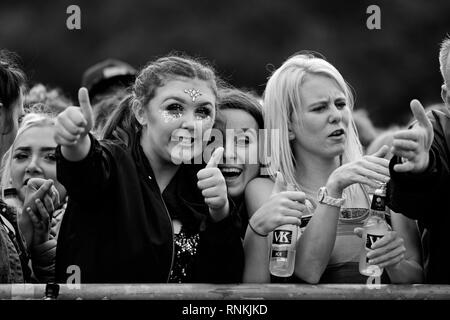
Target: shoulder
x=257 y=192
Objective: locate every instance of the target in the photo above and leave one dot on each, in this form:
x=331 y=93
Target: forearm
x=316 y=244
x=77 y=152
x=256 y=249
x=407 y=271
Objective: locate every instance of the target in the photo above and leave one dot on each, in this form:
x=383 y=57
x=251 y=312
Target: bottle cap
x=52 y=290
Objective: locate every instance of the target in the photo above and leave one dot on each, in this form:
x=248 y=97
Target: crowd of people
x=170 y=175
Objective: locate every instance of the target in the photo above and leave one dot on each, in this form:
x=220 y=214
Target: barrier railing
x=229 y=292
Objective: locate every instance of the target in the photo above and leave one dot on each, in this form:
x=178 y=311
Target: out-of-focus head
x=104 y=78
x=366 y=130
x=32 y=154
x=41 y=99
x=444 y=63
x=285 y=108
x=240 y=118
x=12 y=86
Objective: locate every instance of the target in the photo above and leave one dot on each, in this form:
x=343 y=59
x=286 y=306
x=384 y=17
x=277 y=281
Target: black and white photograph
x=224 y=159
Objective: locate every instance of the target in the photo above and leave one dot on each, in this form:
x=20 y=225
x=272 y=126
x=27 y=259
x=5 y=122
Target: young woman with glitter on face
x=138 y=210
x=308 y=100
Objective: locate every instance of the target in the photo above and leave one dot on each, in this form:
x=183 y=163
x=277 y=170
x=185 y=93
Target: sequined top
x=186 y=250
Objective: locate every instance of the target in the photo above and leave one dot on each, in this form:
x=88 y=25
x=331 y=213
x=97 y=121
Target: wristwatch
x=323 y=197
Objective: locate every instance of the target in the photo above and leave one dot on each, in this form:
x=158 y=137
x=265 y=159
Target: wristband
x=259 y=234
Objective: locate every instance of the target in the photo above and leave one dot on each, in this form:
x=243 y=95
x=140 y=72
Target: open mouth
x=337 y=133
x=231 y=172
x=183 y=139
x=26 y=181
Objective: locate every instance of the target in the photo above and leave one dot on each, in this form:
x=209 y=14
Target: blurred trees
x=245 y=39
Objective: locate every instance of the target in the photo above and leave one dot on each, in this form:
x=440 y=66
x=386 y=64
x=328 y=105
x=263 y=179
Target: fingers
x=280 y=184
x=382 y=152
x=43 y=189
x=420 y=114
x=209 y=177
x=48 y=203
x=215 y=158
x=404 y=167
x=85 y=107
x=358 y=231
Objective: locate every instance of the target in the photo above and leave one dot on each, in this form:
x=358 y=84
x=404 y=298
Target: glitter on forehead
x=193 y=93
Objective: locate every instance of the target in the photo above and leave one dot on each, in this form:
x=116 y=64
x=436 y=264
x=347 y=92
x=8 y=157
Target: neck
x=163 y=170
x=312 y=171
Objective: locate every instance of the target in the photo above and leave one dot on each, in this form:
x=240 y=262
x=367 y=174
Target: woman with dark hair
x=12 y=84
x=240 y=120
x=138 y=210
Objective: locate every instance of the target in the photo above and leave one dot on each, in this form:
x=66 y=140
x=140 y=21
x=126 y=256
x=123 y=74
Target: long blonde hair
x=281 y=102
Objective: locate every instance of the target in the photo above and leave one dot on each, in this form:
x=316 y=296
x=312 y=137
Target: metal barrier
x=255 y=292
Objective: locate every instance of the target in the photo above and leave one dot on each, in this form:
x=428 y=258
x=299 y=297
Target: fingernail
x=371 y=261
x=28 y=209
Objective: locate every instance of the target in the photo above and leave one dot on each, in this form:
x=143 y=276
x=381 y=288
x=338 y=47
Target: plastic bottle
x=282 y=251
x=375 y=227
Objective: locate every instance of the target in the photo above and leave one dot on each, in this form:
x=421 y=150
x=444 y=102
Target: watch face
x=321 y=194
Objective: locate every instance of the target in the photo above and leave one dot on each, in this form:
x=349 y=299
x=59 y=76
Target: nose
x=230 y=151
x=33 y=167
x=335 y=114
x=189 y=121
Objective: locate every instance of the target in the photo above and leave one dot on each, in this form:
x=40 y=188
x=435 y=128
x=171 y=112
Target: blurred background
x=244 y=39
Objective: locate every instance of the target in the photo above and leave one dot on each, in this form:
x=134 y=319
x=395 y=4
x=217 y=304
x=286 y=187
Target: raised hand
x=371 y=170
x=283 y=207
x=413 y=145
x=39 y=204
x=72 y=126
x=213 y=186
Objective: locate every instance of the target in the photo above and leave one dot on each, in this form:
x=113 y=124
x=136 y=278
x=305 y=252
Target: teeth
x=231 y=170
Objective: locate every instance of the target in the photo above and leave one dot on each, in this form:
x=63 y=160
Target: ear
x=445 y=95
x=291 y=133
x=139 y=112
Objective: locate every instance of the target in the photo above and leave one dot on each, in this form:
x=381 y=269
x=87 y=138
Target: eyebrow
x=186 y=101
x=44 y=149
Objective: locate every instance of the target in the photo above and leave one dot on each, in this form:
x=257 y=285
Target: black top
x=425 y=197
x=117 y=229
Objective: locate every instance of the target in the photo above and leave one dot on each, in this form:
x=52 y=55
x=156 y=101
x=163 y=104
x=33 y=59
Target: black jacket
x=426 y=197
x=117 y=228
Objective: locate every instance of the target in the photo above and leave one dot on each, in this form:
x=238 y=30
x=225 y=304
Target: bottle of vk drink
x=375 y=227
x=282 y=251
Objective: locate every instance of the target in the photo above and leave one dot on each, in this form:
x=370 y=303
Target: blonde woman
x=311 y=105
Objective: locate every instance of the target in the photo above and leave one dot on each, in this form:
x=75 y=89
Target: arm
x=317 y=242
x=409 y=269
x=268 y=208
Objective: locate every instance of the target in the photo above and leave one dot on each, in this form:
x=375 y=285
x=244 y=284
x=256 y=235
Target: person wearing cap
x=420 y=176
x=106 y=77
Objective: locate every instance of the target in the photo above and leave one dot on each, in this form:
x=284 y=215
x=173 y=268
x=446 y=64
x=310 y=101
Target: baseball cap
x=106 y=74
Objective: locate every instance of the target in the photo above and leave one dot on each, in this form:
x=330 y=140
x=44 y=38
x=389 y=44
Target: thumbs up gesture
x=413 y=145
x=73 y=125
x=213 y=186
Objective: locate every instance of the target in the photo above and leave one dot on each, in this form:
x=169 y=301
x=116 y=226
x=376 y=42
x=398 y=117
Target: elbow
x=309 y=276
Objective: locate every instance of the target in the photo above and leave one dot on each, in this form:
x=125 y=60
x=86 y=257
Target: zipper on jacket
x=173 y=235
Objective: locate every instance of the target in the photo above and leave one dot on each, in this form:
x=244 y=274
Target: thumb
x=382 y=152
x=279 y=185
x=85 y=106
x=420 y=115
x=215 y=158
x=358 y=232
x=43 y=189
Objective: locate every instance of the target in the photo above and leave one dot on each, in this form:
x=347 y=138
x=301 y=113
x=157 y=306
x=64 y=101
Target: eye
x=341 y=104
x=175 y=109
x=202 y=112
x=242 y=141
x=20 y=156
x=51 y=156
x=319 y=108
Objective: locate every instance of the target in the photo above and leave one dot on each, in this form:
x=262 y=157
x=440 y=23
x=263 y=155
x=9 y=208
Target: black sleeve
x=222 y=248
x=419 y=196
x=85 y=180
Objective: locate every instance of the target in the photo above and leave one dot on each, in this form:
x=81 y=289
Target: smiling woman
x=155 y=217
